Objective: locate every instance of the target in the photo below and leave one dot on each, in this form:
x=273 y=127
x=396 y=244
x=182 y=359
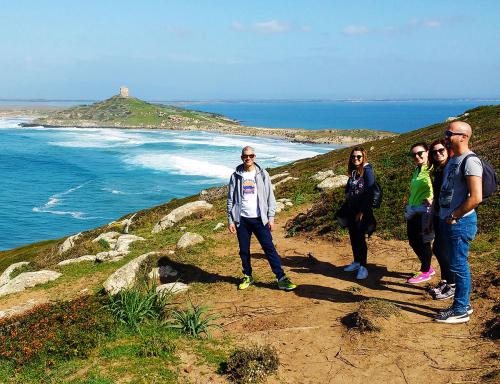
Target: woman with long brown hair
x=438 y=159
x=358 y=208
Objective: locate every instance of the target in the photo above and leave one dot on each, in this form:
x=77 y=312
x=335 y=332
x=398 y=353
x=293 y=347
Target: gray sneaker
x=448 y=292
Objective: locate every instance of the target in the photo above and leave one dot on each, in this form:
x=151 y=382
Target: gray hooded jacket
x=265 y=195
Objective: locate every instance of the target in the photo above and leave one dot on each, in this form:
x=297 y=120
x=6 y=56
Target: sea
x=60 y=181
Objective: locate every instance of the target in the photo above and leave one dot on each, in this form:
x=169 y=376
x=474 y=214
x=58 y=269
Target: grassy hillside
x=129 y=112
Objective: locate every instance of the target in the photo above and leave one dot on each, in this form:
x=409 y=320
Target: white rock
x=109 y=256
x=322 y=175
x=451 y=118
x=189 y=239
x=5 y=276
x=279 y=206
x=218 y=226
x=171 y=252
x=109 y=237
x=18 y=308
x=162 y=272
x=286 y=179
x=69 y=243
x=182 y=228
x=279 y=175
x=78 y=260
x=288 y=203
x=180 y=213
x=333 y=182
x=372 y=148
x=126 y=276
x=124 y=241
x=126 y=223
x=172 y=288
x=28 y=280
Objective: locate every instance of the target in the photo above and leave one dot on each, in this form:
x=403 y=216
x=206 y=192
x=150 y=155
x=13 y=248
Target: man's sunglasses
x=440 y=151
x=415 y=154
x=248 y=156
x=359 y=157
x=450 y=134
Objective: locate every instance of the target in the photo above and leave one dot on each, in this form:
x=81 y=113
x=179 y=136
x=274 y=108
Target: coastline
x=324 y=136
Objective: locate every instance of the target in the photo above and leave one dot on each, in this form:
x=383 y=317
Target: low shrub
x=192 y=321
x=60 y=330
x=252 y=365
x=135 y=305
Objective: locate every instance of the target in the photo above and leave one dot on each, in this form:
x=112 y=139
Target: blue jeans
x=262 y=232
x=458 y=237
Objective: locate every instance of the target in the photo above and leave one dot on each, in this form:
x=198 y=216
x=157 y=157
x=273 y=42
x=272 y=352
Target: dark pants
x=439 y=249
x=357 y=234
x=416 y=239
x=263 y=234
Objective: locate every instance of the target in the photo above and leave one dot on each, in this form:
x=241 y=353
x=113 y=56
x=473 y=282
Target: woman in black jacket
x=358 y=209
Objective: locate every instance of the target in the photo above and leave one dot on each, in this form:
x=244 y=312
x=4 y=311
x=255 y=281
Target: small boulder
x=78 y=260
x=124 y=241
x=333 y=182
x=28 y=280
x=172 y=288
x=283 y=181
x=109 y=256
x=5 y=276
x=18 y=309
x=180 y=213
x=126 y=276
x=109 y=237
x=279 y=206
x=69 y=243
x=218 y=226
x=189 y=239
x=322 y=175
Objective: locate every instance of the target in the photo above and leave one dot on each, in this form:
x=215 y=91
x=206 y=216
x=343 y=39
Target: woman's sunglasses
x=440 y=151
x=359 y=157
x=415 y=154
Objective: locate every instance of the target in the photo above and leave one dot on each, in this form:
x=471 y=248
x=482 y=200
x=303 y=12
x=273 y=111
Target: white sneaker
x=362 y=273
x=354 y=266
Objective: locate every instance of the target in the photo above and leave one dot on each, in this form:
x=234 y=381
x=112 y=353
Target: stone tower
x=123 y=92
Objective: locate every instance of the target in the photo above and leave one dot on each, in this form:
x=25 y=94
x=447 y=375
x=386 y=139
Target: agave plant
x=193 y=321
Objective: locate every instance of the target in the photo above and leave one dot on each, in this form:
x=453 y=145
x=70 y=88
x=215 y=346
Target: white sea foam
x=179 y=165
x=56 y=199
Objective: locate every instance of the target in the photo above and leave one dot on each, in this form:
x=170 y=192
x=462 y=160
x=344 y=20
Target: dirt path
x=305 y=325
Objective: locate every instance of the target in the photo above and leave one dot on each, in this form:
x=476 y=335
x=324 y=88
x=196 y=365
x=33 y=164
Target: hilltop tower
x=123 y=92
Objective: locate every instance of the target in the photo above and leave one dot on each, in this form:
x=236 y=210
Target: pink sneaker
x=431 y=271
x=419 y=277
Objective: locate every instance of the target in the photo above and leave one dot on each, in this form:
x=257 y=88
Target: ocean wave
x=179 y=165
x=56 y=199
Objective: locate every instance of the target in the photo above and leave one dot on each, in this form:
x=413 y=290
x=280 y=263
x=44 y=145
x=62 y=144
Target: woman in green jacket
x=418 y=213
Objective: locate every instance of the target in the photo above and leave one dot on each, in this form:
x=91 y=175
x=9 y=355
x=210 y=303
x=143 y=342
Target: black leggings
x=357 y=234
x=415 y=237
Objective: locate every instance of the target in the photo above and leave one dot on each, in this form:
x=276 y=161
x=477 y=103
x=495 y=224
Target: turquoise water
x=56 y=182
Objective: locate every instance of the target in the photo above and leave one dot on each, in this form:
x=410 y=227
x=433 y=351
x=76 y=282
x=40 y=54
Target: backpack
x=489 y=177
x=377 y=195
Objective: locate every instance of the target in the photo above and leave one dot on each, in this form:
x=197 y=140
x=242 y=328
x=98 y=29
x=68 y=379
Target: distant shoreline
x=324 y=136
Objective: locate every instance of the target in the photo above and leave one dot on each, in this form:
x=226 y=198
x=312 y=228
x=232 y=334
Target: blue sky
x=205 y=50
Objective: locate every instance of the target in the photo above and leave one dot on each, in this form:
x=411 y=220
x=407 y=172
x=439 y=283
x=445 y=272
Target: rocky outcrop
x=109 y=256
x=213 y=194
x=333 y=182
x=126 y=223
x=218 y=226
x=322 y=175
x=283 y=181
x=180 y=213
x=108 y=237
x=281 y=204
x=78 y=260
x=28 y=280
x=124 y=241
x=18 y=308
x=5 y=276
x=69 y=243
x=279 y=175
x=172 y=288
x=126 y=276
x=189 y=239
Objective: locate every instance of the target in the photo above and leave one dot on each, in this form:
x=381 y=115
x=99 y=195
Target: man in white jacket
x=250 y=209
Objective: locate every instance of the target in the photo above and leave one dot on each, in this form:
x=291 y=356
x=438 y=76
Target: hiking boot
x=469 y=310
x=354 y=266
x=448 y=292
x=438 y=288
x=451 y=316
x=285 y=284
x=245 y=282
x=419 y=277
x=362 y=273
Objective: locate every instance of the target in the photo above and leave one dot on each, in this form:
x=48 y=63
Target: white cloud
x=355 y=30
x=272 y=26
